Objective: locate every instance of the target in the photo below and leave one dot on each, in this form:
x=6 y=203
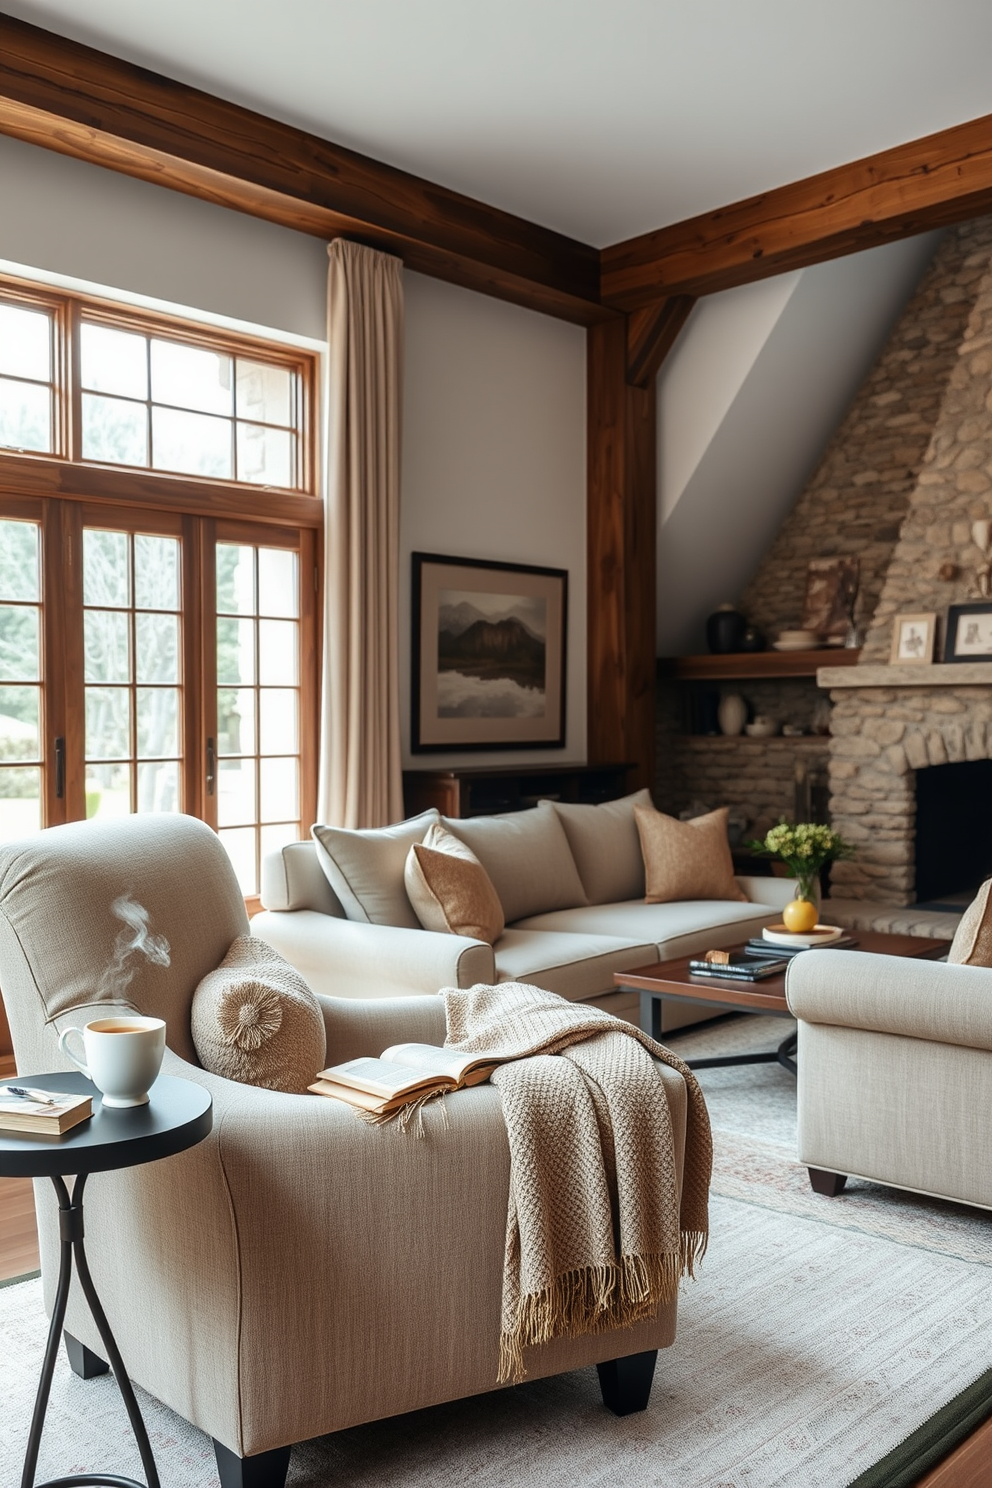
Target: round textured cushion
x=256 y=1021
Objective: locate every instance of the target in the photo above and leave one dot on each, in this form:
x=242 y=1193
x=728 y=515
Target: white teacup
x=123 y=1056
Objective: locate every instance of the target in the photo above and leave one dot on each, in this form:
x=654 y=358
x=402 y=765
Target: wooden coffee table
x=673 y=981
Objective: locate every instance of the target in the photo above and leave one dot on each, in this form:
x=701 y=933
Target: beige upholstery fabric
x=365 y=869
x=667 y=927
x=450 y=890
x=343 y=958
x=59 y=929
x=293 y=1232
x=899 y=1110
x=606 y=847
x=361 y=783
x=292 y=878
x=895 y=1070
x=972 y=943
x=354 y=1027
x=686 y=860
x=255 y=1020
x=574 y=966
x=527 y=856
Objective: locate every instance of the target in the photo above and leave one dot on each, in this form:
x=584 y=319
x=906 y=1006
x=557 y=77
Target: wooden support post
x=621 y=557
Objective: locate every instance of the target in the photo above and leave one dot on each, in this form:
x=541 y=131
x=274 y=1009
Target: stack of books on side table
x=737 y=966
x=42 y=1113
x=775 y=950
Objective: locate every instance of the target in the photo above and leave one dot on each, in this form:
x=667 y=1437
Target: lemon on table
x=800 y=916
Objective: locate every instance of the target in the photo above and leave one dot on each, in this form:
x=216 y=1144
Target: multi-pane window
x=157 y=633
x=258 y=702
x=27 y=378
x=168 y=405
x=132 y=614
x=20 y=679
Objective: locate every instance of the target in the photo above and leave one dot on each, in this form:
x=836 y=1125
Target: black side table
x=177 y=1116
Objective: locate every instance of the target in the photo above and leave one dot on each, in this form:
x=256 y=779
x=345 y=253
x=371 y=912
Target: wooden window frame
x=70 y=309
x=64 y=493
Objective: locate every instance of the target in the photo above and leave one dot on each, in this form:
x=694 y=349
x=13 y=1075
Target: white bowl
x=804 y=637
x=820 y=935
x=761 y=730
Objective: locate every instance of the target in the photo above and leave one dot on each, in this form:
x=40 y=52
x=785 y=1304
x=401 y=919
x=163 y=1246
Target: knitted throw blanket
x=596 y=1235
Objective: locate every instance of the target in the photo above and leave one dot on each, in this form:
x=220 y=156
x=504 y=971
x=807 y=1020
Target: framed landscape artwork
x=969 y=632
x=488 y=655
x=913 y=638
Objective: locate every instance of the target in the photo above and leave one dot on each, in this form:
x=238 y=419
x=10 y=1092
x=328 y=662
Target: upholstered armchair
x=297 y=1272
x=895 y=1072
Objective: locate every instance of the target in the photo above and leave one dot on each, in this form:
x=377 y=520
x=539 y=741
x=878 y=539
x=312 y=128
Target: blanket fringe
x=595 y=1299
x=409 y=1117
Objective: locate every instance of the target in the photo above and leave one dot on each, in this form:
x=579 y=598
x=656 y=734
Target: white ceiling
x=600 y=120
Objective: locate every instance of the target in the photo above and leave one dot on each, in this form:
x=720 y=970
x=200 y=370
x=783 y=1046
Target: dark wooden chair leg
x=83 y=1361
x=266 y=1470
x=828 y=1184
x=626 y=1383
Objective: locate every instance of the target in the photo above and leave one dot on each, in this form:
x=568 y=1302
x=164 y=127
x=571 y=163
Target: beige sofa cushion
x=574 y=966
x=674 y=929
x=686 y=860
x=256 y=1021
x=449 y=888
x=527 y=856
x=365 y=868
x=606 y=847
x=972 y=943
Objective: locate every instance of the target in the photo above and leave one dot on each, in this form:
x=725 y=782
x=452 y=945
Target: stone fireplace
x=905 y=477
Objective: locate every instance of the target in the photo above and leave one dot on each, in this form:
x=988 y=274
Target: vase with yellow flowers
x=805 y=848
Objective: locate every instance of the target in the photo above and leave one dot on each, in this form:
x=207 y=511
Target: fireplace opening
x=953 y=831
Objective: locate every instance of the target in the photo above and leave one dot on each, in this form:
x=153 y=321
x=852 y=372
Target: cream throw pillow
x=972 y=943
x=365 y=868
x=605 y=847
x=256 y=1021
x=527 y=857
x=449 y=888
x=686 y=860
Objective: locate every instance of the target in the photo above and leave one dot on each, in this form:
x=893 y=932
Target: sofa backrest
x=527 y=856
x=64 y=949
x=606 y=847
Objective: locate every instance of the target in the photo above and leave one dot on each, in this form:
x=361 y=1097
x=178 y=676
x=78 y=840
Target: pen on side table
x=38 y=1096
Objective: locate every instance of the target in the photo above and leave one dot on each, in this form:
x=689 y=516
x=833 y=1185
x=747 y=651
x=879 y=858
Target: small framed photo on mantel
x=913 y=638
x=969 y=632
x=488 y=655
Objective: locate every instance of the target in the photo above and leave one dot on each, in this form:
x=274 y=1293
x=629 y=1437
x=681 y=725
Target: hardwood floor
x=970 y=1466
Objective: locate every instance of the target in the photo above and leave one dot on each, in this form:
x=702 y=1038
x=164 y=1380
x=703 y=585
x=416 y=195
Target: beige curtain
x=360 y=780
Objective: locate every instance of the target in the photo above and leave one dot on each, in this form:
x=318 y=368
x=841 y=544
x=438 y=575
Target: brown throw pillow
x=972 y=943
x=450 y=890
x=256 y=1021
x=686 y=860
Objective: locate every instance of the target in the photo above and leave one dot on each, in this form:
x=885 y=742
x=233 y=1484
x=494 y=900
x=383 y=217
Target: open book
x=402 y=1073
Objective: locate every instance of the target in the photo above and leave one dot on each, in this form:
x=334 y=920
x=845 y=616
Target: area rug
x=818 y=1337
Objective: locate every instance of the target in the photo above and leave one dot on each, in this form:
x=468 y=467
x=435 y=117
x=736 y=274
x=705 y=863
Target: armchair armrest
x=342 y=958
x=359 y=1026
x=893 y=994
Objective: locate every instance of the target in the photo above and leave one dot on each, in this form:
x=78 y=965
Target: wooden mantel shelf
x=742 y=665
x=941 y=674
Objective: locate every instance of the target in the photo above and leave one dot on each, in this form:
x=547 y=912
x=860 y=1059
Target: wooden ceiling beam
x=651 y=334
x=88 y=104
x=931 y=182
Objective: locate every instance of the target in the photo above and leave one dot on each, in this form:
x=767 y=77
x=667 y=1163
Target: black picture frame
x=963 y=648
x=498 y=681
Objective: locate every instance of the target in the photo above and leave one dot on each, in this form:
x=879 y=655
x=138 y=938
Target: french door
x=151 y=661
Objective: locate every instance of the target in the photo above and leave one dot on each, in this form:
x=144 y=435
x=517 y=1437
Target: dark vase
x=725 y=630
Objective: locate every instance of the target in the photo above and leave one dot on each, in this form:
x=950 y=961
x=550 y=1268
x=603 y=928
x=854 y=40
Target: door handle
x=60 y=768
x=211 y=766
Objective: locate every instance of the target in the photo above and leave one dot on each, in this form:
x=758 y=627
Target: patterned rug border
x=930 y=1443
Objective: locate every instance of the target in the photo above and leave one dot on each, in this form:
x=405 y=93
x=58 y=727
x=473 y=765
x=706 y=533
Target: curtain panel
x=360 y=775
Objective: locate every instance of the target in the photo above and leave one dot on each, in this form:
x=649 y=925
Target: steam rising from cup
x=135 y=939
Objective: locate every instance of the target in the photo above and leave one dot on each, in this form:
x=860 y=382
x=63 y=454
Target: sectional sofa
x=571 y=882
